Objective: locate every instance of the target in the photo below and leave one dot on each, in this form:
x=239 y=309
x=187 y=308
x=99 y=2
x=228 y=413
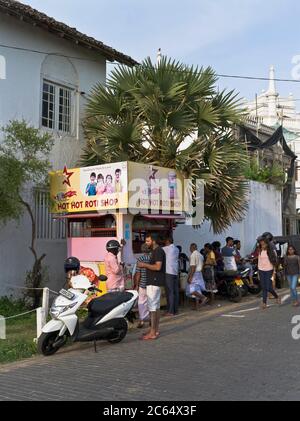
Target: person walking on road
x=292 y=272
x=172 y=278
x=156 y=272
x=195 y=281
x=267 y=260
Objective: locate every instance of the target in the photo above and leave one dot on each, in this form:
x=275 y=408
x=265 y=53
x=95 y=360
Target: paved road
x=248 y=355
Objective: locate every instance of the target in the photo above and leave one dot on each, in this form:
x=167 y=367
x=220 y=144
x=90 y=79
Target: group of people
x=99 y=185
x=160 y=265
x=266 y=257
x=149 y=276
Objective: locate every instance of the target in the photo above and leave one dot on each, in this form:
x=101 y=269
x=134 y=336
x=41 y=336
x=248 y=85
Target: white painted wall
x=20 y=97
x=20 y=92
x=264 y=214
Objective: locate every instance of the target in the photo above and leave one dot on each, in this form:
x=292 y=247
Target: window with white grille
x=57 y=107
x=47 y=228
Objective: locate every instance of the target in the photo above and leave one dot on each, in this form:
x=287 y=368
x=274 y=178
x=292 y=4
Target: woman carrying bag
x=267 y=260
x=292 y=272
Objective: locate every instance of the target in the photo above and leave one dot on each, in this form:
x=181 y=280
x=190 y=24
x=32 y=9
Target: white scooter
x=106 y=318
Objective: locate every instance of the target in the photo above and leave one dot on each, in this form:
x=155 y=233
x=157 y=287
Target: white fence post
x=2 y=328
x=40 y=316
x=45 y=303
x=42 y=313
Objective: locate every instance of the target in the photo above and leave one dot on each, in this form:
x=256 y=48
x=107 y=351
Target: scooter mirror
x=102 y=278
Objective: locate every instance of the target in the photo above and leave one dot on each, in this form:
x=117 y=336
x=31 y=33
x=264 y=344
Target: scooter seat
x=103 y=305
x=228 y=274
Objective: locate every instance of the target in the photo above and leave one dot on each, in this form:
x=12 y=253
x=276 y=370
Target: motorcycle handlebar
x=93 y=288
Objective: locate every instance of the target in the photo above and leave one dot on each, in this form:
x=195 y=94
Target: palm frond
x=172 y=115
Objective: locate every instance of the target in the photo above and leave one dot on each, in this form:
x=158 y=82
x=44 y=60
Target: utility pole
x=256 y=117
x=256 y=114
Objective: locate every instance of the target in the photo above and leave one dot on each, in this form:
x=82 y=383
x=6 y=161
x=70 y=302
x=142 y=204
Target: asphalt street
x=237 y=353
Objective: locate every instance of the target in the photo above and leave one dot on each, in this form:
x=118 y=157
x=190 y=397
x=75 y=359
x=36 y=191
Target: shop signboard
x=122 y=185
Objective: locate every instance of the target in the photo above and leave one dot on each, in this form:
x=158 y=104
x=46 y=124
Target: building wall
x=20 y=98
x=20 y=92
x=264 y=214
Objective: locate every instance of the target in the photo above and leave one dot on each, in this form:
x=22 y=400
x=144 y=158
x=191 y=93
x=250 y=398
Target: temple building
x=269 y=109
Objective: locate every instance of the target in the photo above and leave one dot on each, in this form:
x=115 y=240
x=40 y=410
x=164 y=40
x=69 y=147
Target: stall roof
x=80 y=215
x=160 y=216
x=98 y=215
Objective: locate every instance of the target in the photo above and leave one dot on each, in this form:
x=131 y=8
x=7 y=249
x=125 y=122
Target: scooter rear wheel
x=45 y=343
x=120 y=333
x=235 y=293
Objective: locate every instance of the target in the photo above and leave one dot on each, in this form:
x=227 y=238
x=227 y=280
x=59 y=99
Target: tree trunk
x=36 y=272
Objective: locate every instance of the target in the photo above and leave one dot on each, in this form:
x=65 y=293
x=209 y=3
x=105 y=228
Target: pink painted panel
x=88 y=248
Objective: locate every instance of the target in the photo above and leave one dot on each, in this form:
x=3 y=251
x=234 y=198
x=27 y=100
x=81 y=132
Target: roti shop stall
x=121 y=201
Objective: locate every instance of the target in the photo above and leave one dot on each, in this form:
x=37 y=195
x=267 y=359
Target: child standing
x=92 y=186
x=100 y=184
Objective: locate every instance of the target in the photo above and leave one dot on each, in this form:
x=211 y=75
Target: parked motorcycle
x=106 y=320
x=251 y=288
x=230 y=284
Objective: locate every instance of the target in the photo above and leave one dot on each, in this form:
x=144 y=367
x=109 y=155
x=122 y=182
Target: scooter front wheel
x=119 y=333
x=235 y=293
x=46 y=343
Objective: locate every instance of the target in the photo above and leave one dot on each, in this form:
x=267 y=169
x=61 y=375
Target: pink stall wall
x=88 y=249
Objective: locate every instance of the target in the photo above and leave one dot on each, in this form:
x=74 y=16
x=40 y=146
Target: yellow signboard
x=114 y=186
x=155 y=188
x=98 y=188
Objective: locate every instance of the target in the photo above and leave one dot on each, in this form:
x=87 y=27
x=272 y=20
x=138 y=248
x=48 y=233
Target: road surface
x=237 y=353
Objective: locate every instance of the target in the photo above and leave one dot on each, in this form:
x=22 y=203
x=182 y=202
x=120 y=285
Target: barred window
x=56 y=107
x=64 y=123
x=48 y=112
x=47 y=228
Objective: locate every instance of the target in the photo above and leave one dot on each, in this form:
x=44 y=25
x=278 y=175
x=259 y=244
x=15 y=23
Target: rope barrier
x=18 y=315
x=41 y=312
x=26 y=288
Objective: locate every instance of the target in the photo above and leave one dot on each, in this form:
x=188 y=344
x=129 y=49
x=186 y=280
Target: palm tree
x=173 y=116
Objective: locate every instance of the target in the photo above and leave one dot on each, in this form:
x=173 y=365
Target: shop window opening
x=141 y=226
x=104 y=226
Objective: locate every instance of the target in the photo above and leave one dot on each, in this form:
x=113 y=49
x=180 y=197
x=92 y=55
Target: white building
x=46 y=69
x=273 y=110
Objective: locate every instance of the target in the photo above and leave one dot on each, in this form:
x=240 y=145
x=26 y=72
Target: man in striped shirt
x=140 y=281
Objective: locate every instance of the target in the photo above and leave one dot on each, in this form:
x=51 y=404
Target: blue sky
x=241 y=37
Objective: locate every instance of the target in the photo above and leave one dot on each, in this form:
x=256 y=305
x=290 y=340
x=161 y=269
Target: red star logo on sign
x=67 y=176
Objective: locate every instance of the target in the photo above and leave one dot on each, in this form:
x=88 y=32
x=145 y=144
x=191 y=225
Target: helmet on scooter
x=72 y=263
x=268 y=236
x=113 y=245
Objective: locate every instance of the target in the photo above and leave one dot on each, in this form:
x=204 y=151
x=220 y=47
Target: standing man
x=183 y=260
x=229 y=253
x=118 y=184
x=195 y=284
x=140 y=283
x=156 y=272
x=172 y=279
x=237 y=247
x=114 y=269
x=241 y=263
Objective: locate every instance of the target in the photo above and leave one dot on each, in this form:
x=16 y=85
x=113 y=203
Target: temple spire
x=159 y=56
x=272 y=86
